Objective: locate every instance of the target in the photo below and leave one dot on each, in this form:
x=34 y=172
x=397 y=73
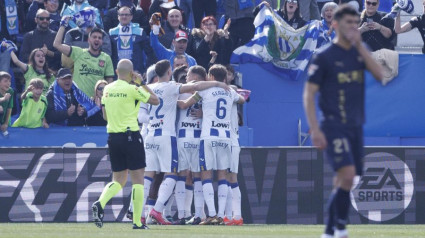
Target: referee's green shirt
x=122 y=102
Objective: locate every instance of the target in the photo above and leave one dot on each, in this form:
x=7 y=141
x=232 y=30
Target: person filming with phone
x=376 y=29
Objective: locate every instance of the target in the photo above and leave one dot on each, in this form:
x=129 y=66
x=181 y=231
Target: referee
x=120 y=106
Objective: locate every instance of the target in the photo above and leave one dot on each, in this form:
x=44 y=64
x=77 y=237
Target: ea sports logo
x=385 y=189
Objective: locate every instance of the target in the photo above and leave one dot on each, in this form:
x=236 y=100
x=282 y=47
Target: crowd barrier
x=279 y=185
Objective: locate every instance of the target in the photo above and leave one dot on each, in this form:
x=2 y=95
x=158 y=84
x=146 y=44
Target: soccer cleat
x=97 y=211
x=157 y=216
x=195 y=221
x=226 y=220
x=180 y=222
x=235 y=222
x=217 y=221
x=129 y=214
x=143 y=227
x=208 y=221
x=341 y=234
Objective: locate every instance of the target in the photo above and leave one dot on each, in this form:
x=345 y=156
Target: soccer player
x=121 y=103
x=90 y=65
x=337 y=73
x=189 y=133
x=161 y=143
x=215 y=145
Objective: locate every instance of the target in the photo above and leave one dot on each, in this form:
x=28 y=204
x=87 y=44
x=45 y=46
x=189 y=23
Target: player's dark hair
x=96 y=29
x=200 y=71
x=178 y=72
x=344 y=9
x=4 y=75
x=230 y=69
x=219 y=72
x=162 y=67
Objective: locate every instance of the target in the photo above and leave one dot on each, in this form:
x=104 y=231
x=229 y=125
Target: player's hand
x=80 y=110
x=196 y=113
x=71 y=110
x=355 y=37
x=364 y=27
x=319 y=139
x=6 y=97
x=3 y=127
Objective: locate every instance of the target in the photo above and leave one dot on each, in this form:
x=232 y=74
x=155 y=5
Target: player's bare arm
x=199 y=86
x=317 y=136
x=63 y=48
x=185 y=104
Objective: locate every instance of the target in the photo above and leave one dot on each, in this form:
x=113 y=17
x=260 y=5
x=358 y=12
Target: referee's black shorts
x=126 y=154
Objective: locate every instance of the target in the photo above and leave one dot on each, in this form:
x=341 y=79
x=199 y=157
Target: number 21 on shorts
x=341 y=145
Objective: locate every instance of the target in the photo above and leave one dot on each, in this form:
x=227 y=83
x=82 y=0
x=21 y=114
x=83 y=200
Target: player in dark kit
x=337 y=73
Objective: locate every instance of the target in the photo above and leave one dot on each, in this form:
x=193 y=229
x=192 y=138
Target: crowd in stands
x=69 y=49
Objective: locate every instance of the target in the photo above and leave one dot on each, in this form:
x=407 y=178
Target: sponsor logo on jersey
x=190 y=124
x=149 y=146
x=188 y=145
x=219 y=144
x=158 y=124
x=117 y=95
x=220 y=124
x=386 y=188
x=85 y=70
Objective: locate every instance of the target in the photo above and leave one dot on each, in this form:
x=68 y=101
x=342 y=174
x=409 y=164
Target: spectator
x=415 y=22
x=67 y=104
x=52 y=6
x=203 y=8
x=173 y=23
x=36 y=68
x=90 y=65
x=179 y=60
x=34 y=106
x=6 y=101
x=208 y=47
x=290 y=13
x=326 y=24
x=77 y=6
x=242 y=21
x=377 y=31
x=41 y=37
x=308 y=9
x=97 y=119
x=179 y=43
x=110 y=20
x=129 y=41
x=79 y=36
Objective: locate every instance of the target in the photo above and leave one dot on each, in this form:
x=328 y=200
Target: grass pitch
x=77 y=230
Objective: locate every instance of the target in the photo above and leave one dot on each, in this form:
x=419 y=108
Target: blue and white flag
x=278 y=47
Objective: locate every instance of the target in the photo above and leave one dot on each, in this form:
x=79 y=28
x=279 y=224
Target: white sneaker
x=326 y=236
x=341 y=234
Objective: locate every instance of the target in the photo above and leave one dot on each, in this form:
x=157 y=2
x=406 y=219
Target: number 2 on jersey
x=157 y=115
x=220 y=109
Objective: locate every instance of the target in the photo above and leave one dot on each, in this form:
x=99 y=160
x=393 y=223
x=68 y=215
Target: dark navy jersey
x=419 y=22
x=340 y=76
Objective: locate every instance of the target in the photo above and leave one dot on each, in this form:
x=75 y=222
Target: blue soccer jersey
x=340 y=76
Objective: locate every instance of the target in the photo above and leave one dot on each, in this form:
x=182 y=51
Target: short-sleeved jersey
x=216 y=108
x=32 y=113
x=122 y=101
x=340 y=76
x=31 y=74
x=162 y=117
x=88 y=69
x=188 y=126
x=234 y=133
x=419 y=22
x=6 y=104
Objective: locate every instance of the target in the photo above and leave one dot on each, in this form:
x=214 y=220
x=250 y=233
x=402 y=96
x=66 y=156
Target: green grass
x=118 y=230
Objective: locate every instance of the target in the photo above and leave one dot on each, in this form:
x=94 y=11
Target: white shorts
x=161 y=154
x=234 y=163
x=215 y=154
x=188 y=154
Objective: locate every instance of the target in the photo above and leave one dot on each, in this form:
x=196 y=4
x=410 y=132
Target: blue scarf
x=11 y=17
x=82 y=99
x=125 y=42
